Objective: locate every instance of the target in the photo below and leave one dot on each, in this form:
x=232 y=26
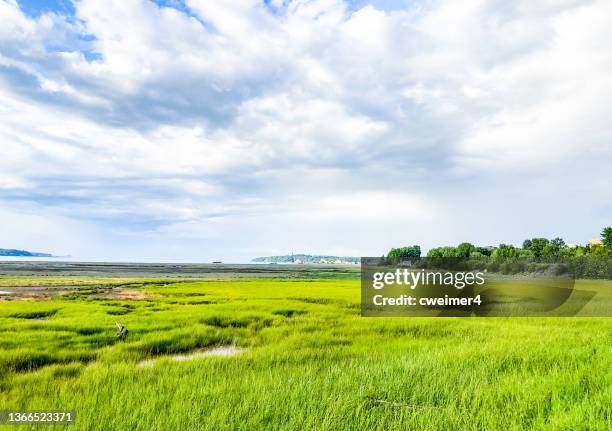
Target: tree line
x=534 y=247
x=592 y=260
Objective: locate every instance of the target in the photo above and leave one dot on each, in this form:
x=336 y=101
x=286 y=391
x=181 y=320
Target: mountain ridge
x=22 y=253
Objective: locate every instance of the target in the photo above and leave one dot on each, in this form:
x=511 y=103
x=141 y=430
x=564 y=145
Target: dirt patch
x=31 y=293
x=124 y=294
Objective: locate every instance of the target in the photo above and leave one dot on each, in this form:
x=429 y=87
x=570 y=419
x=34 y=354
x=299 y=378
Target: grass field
x=303 y=359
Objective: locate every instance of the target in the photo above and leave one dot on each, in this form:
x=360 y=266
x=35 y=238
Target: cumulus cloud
x=184 y=126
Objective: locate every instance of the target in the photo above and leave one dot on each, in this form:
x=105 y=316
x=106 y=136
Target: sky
x=204 y=130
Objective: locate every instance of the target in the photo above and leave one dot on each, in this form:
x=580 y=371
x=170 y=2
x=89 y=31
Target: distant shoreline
x=308 y=259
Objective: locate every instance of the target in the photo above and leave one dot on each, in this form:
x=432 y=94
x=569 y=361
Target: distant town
x=307 y=258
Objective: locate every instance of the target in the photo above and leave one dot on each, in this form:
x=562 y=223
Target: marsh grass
x=308 y=361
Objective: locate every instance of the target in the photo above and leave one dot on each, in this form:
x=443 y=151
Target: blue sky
x=35 y=8
x=224 y=130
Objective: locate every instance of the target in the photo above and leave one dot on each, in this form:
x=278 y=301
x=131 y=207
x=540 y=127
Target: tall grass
x=309 y=362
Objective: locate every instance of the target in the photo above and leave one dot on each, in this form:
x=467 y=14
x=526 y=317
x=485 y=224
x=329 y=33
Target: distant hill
x=22 y=253
x=307 y=258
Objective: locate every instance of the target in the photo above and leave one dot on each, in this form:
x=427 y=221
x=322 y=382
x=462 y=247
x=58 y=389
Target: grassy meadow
x=299 y=356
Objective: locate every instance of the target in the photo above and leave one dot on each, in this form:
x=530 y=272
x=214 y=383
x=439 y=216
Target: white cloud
x=151 y=122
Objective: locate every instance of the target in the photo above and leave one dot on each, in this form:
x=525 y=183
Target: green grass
x=309 y=362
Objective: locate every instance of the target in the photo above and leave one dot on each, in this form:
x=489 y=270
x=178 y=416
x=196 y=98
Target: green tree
x=449 y=252
x=521 y=252
x=401 y=254
x=443 y=252
x=487 y=251
x=606 y=238
x=435 y=252
x=554 y=247
x=596 y=250
x=537 y=246
x=505 y=251
x=465 y=249
x=557 y=243
x=573 y=251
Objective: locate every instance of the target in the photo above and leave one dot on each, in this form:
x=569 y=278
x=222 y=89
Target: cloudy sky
x=203 y=130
